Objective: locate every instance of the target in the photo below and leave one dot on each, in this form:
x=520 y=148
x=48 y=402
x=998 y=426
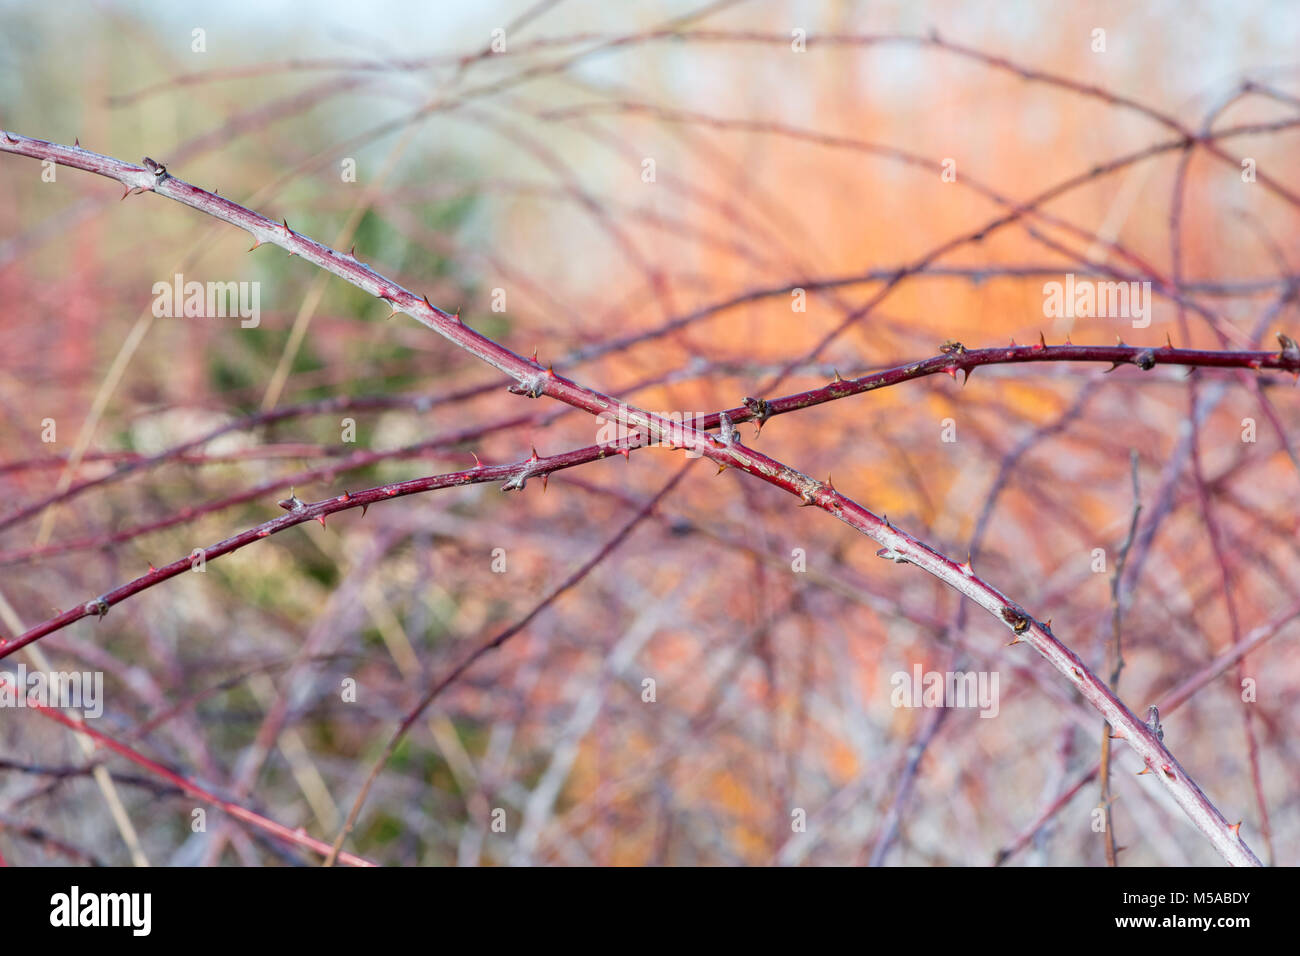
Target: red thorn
x=1169 y=343
x=255 y=245
x=477 y=463
x=1168 y=773
x=535 y=355
x=151 y=567
x=77 y=142
x=321 y=519
x=534 y=458
x=364 y=509
x=1235 y=827
x=1013 y=343
x=1067 y=339
x=286 y=227
x=550 y=370
x=1042 y=343
x=626 y=452
x=951 y=370
x=429 y=304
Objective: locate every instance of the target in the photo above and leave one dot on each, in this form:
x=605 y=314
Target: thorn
x=429 y=304
x=1119 y=736
x=9 y=138
x=77 y=142
x=352 y=253
x=830 y=484
x=545 y=478
x=255 y=245
x=1169 y=343
x=951 y=370
x=458 y=320
x=966 y=568
x=321 y=519
x=534 y=458
x=966 y=376
x=1067 y=339
x=1042 y=342
x=1144 y=770
x=292 y=503
x=1013 y=342
x=837 y=376
x=534 y=358
x=151 y=567
x=286 y=227
x=477 y=463
x=1119 y=342
x=550 y=370
x=626 y=452
x=364 y=509
x=721 y=469
x=1236 y=828
x=1014 y=643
